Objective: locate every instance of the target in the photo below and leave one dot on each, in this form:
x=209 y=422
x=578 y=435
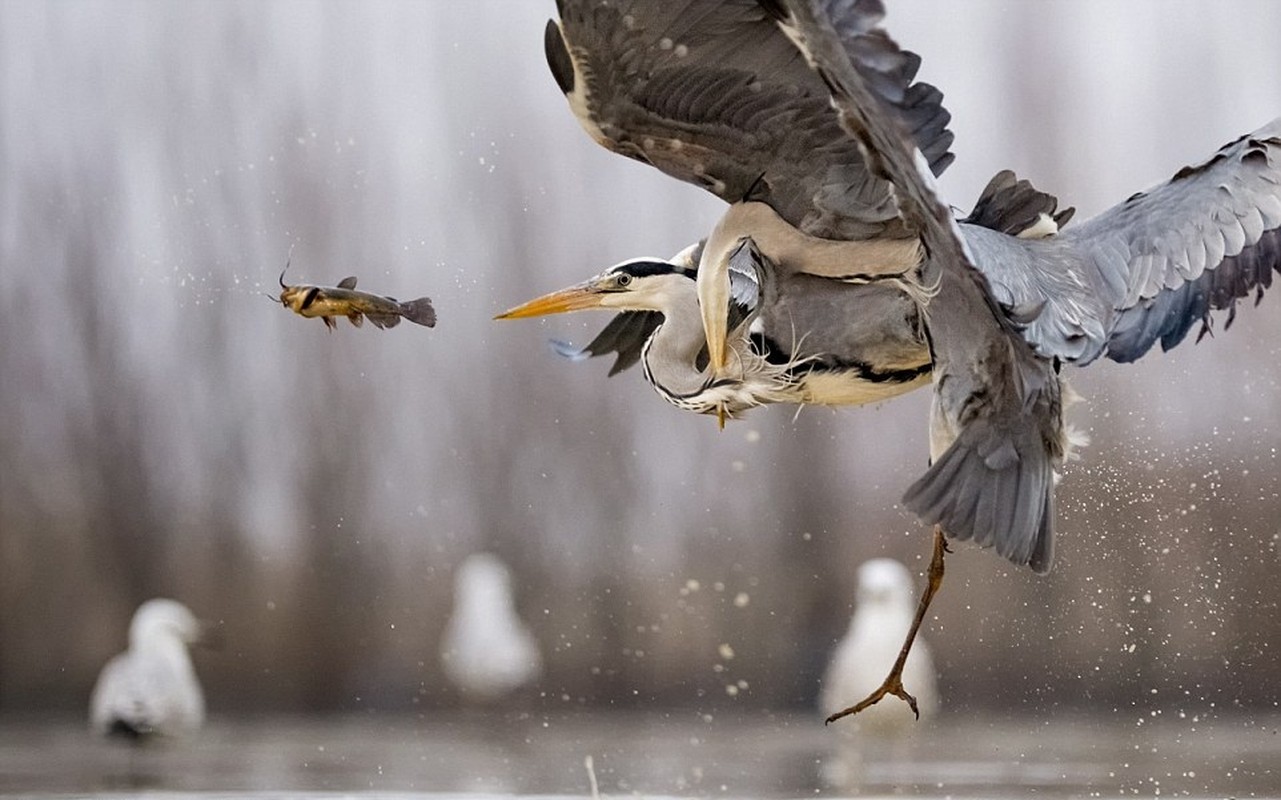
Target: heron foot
x=893 y=683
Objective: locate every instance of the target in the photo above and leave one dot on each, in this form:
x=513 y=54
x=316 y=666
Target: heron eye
x=624 y=279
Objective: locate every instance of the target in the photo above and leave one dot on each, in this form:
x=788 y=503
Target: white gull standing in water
x=486 y=651
x=886 y=605
x=151 y=688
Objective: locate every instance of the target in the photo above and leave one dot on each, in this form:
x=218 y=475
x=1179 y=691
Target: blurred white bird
x=151 y=688
x=486 y=650
x=862 y=659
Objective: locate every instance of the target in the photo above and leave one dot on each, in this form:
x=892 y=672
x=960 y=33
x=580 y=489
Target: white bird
x=151 y=688
x=886 y=606
x=487 y=651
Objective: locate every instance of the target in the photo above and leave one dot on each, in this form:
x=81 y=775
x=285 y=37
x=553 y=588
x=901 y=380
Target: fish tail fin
x=419 y=311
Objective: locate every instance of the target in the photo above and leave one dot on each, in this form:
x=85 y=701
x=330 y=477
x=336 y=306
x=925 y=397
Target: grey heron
x=802 y=115
x=877 y=352
x=673 y=338
x=795 y=337
x=151 y=688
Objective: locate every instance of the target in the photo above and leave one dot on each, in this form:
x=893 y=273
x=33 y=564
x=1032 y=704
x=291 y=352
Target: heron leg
x=894 y=681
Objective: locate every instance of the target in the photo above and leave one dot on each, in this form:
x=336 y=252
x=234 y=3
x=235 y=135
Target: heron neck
x=670 y=354
x=787 y=246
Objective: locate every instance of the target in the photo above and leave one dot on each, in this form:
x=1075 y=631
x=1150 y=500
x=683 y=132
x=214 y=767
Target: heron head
x=642 y=284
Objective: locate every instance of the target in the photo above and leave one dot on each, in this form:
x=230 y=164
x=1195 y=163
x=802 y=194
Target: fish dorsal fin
x=348 y=282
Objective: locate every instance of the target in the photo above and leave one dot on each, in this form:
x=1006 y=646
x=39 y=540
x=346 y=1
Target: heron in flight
x=877 y=352
x=794 y=337
x=803 y=115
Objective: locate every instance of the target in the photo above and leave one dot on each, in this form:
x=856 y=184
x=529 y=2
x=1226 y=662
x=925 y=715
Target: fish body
x=344 y=300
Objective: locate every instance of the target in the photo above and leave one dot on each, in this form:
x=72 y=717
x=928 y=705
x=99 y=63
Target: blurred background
x=165 y=430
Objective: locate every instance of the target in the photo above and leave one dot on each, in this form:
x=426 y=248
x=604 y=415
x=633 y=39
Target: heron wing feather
x=997 y=416
x=625 y=336
x=1152 y=267
x=711 y=92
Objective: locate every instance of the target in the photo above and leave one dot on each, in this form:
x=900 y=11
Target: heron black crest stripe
x=645 y=268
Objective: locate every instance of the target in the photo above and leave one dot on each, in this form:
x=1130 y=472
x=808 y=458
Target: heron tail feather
x=994 y=490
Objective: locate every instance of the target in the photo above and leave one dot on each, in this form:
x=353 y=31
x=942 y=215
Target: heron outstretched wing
x=1152 y=267
x=997 y=423
x=712 y=92
x=1206 y=239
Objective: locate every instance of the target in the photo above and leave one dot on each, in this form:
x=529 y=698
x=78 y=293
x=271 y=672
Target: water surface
x=676 y=754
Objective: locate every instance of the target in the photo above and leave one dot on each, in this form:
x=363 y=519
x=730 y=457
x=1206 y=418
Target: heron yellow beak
x=713 y=306
x=575 y=298
x=715 y=329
